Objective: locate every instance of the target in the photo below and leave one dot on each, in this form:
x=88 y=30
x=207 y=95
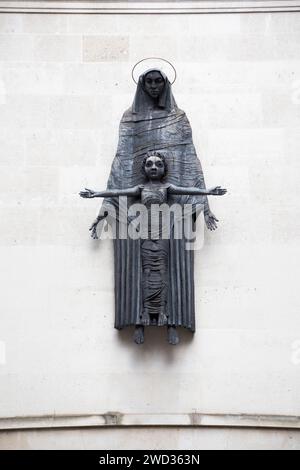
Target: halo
x=152 y=63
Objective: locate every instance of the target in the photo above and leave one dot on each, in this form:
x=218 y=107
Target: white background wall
x=64 y=84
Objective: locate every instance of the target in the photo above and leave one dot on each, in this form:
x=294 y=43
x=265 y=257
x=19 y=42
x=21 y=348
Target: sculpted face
x=154 y=84
x=154 y=168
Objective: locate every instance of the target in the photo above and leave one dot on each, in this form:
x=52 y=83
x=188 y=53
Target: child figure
x=154 y=252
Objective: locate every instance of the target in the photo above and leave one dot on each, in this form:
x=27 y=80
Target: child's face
x=154 y=168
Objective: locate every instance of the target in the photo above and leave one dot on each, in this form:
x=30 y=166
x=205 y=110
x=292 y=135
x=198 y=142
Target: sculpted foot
x=145 y=320
x=173 y=337
x=139 y=336
x=162 y=320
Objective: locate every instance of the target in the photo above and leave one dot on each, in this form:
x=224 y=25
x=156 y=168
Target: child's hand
x=217 y=191
x=88 y=193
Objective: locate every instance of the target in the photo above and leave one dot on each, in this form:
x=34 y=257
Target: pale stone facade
x=64 y=84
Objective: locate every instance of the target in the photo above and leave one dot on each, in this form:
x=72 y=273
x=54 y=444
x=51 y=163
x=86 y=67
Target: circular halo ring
x=168 y=67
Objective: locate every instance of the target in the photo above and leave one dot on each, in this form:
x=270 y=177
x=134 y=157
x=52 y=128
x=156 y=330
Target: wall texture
x=64 y=84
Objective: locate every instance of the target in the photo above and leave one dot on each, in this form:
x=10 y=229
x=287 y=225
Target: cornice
x=150 y=7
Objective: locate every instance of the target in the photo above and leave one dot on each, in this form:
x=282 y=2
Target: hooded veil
x=166 y=129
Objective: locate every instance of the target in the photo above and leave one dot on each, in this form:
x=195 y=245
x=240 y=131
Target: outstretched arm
x=89 y=193
x=186 y=191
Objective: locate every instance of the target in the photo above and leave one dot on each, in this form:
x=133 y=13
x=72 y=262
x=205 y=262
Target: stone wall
x=65 y=80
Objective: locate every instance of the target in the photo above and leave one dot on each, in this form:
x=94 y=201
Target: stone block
x=23 y=112
x=152 y=45
x=11 y=23
x=79 y=112
x=12 y=147
x=59 y=148
x=105 y=48
x=32 y=79
x=16 y=47
x=57 y=48
x=45 y=24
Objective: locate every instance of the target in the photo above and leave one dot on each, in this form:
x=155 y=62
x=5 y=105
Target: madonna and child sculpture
x=157 y=177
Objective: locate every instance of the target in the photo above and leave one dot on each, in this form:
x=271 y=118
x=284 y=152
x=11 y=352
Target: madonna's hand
x=93 y=227
x=210 y=220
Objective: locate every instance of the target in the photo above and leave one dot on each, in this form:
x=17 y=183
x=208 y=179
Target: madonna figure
x=152 y=124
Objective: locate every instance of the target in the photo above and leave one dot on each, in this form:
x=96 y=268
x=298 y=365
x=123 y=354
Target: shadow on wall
x=155 y=340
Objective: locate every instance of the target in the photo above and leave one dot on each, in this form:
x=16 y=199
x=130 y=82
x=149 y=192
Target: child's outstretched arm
x=186 y=191
x=89 y=193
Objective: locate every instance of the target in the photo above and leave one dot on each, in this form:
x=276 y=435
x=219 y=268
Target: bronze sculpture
x=154 y=282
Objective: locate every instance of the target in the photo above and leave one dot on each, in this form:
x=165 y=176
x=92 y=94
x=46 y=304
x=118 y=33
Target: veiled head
x=154 y=91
